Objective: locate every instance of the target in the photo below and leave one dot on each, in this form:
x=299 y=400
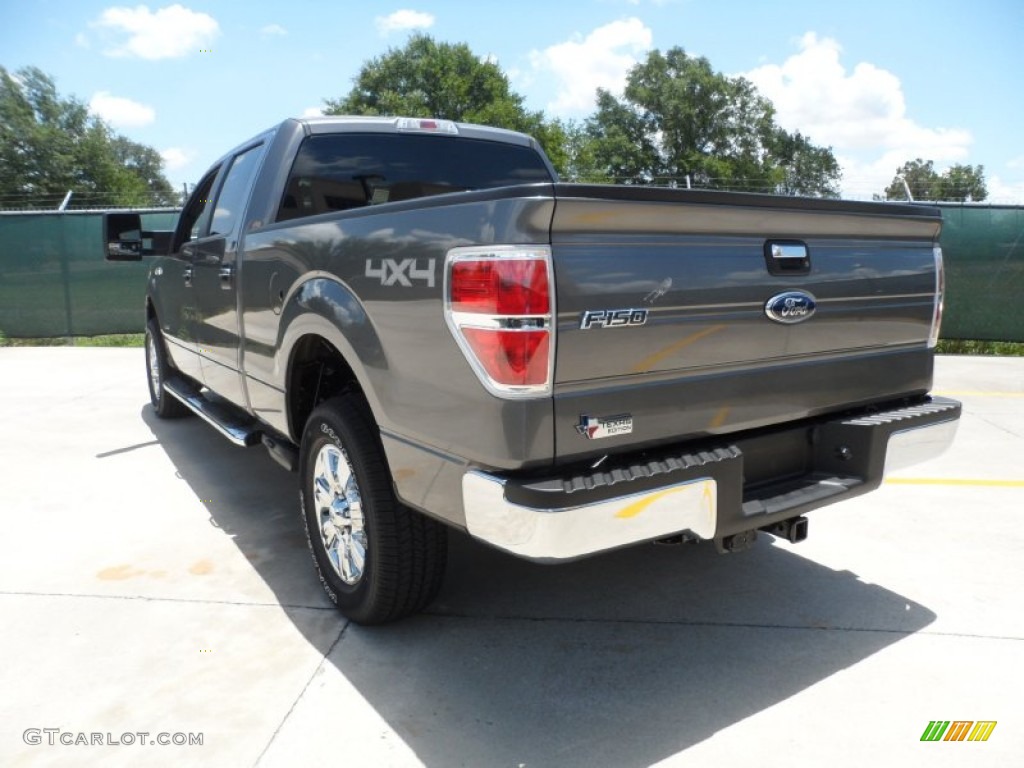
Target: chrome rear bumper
x=575 y=531
x=700 y=493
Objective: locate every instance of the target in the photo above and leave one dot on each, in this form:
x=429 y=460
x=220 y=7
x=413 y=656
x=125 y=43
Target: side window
x=336 y=172
x=194 y=218
x=235 y=191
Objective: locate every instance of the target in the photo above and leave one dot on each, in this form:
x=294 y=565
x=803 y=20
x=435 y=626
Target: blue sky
x=881 y=81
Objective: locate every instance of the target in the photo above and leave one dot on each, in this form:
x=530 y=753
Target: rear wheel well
x=317 y=373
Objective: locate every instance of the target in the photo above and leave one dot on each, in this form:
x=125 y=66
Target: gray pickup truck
x=419 y=318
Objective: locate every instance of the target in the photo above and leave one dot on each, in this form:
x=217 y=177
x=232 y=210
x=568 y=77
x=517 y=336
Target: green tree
x=51 y=144
x=964 y=182
x=680 y=118
x=146 y=166
x=580 y=163
x=920 y=176
x=805 y=168
x=450 y=82
x=958 y=183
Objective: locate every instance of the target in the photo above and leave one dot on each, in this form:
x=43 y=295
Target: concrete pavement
x=153 y=578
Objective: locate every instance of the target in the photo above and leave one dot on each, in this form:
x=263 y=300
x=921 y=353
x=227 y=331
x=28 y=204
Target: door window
x=196 y=215
x=234 y=192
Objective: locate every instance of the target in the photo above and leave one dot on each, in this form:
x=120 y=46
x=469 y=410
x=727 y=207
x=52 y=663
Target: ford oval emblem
x=790 y=307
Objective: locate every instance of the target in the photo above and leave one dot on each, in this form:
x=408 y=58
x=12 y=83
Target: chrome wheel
x=340 y=513
x=347 y=499
x=154 y=365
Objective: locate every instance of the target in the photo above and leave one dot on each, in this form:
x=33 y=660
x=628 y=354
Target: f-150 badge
x=612 y=318
x=596 y=427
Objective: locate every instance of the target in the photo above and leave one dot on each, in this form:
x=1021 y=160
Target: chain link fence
x=54 y=280
x=983 y=247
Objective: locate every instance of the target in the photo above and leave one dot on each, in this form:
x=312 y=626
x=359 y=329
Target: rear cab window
x=339 y=172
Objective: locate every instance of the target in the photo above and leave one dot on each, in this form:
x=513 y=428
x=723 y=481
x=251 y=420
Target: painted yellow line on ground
x=652 y=360
x=637 y=507
x=954 y=481
x=978 y=393
x=720 y=416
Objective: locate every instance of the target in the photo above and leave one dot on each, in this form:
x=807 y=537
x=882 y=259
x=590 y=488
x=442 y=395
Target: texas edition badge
x=596 y=427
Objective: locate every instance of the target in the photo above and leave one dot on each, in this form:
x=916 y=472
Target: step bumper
x=701 y=494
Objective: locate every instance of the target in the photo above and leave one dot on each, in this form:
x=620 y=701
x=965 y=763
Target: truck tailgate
x=664 y=328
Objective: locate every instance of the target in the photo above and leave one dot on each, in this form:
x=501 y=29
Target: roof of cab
x=387 y=124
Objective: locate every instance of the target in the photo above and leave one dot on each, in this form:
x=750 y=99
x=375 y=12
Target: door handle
x=187 y=274
x=787 y=257
x=225 y=277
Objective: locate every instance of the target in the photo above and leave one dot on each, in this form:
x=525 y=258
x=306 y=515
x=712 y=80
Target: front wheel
x=157 y=369
x=378 y=560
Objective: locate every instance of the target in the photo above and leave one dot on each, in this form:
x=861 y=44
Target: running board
x=283 y=452
x=232 y=423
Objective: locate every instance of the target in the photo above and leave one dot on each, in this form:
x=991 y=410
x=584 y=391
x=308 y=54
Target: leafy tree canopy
x=50 y=144
x=678 y=117
x=447 y=81
x=958 y=183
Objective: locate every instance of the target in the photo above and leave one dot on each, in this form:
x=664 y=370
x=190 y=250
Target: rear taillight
x=940 y=290
x=499 y=305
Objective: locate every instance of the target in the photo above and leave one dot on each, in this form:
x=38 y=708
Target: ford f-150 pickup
x=432 y=330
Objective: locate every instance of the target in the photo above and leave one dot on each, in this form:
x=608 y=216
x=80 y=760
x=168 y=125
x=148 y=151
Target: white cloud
x=81 y=40
x=312 y=112
x=121 y=112
x=1000 y=191
x=272 y=30
x=400 y=21
x=1017 y=162
x=861 y=113
x=583 y=64
x=176 y=157
x=168 y=32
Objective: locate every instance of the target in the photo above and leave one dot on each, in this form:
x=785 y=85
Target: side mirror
x=122 y=233
x=125 y=238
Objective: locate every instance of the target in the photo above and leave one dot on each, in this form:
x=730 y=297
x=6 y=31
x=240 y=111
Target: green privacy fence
x=55 y=282
x=984 y=252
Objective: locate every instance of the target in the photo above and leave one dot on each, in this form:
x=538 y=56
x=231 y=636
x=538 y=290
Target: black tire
x=157 y=368
x=393 y=565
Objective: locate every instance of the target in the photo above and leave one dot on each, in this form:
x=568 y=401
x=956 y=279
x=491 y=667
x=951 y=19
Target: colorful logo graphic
x=958 y=730
x=596 y=427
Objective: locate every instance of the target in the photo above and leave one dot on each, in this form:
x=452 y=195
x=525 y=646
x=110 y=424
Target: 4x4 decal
x=394 y=272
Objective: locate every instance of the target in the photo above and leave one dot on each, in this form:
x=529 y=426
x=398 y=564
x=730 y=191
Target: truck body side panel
x=390 y=261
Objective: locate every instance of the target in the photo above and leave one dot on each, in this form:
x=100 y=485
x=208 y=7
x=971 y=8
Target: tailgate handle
x=787 y=257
